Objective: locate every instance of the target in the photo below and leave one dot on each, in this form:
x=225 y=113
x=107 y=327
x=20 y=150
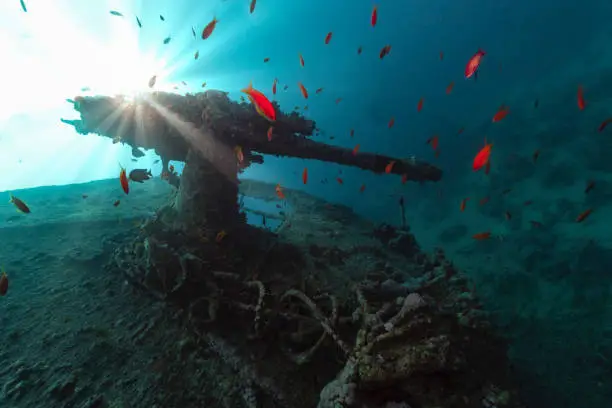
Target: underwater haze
x=496 y=111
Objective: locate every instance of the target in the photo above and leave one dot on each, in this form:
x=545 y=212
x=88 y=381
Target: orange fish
x=404 y=178
x=450 y=87
x=389 y=166
x=270 y=130
x=482 y=157
x=339 y=180
x=391 y=122
x=482 y=235
x=433 y=141
x=463 y=203
x=210 y=27
x=252 y=7
x=262 y=104
x=501 y=113
x=473 y=63
x=239 y=154
x=328 y=37
x=124 y=180
x=355 y=150
x=305 y=175
x=581 y=103
x=303 y=90
x=362 y=188
x=374 y=17
x=420 y=105
x=604 y=124
x=301 y=59
x=4 y=283
x=274 y=86
x=279 y=192
x=583 y=215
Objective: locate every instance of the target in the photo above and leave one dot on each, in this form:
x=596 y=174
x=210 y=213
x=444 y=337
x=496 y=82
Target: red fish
x=384 y=51
x=501 y=113
x=352 y=132
x=482 y=236
x=124 y=181
x=328 y=37
x=488 y=168
x=420 y=105
x=583 y=215
x=473 y=63
x=305 y=175
x=262 y=104
x=604 y=124
x=252 y=7
x=389 y=166
x=433 y=141
x=441 y=55
x=303 y=90
x=460 y=131
x=270 y=130
x=355 y=150
x=301 y=59
x=391 y=122
x=581 y=102
x=339 y=180
x=19 y=204
x=404 y=178
x=484 y=200
x=482 y=157
x=210 y=27
x=463 y=204
x=279 y=192
x=4 y=283
x=535 y=224
x=274 y=86
x=362 y=188
x=449 y=88
x=374 y=17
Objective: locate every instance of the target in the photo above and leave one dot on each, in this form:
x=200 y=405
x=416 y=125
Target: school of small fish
x=265 y=108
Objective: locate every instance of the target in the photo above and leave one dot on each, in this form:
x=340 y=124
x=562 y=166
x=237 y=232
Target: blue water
x=548 y=287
